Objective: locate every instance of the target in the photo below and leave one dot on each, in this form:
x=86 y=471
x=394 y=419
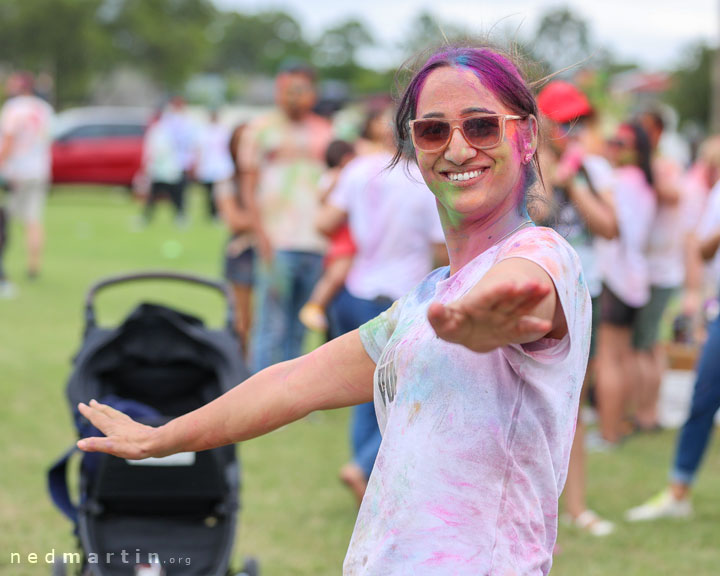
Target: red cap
x=562 y=102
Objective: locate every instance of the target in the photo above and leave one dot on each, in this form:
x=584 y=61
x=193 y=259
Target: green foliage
x=166 y=38
x=691 y=91
x=256 y=43
x=61 y=37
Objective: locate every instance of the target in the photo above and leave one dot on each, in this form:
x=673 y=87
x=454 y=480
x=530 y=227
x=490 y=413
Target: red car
x=98 y=145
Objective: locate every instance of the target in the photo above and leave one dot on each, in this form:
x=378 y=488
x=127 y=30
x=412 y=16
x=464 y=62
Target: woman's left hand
x=491 y=317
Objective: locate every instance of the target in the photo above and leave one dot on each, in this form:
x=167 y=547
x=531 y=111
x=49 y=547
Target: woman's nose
x=458 y=149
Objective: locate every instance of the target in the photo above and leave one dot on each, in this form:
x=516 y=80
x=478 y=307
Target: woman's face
x=621 y=151
x=495 y=177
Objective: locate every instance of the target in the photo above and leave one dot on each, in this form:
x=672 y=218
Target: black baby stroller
x=170 y=516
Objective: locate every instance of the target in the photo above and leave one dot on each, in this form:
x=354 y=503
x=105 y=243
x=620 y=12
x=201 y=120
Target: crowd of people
x=484 y=260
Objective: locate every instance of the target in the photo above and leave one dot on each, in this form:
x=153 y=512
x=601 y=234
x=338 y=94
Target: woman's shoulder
x=538 y=243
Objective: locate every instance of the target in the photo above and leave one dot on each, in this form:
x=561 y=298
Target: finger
x=488 y=298
x=95 y=444
x=109 y=411
x=525 y=300
x=448 y=322
x=96 y=417
x=533 y=325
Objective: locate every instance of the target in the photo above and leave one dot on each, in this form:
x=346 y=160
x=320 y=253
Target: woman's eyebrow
x=475 y=109
x=471 y=110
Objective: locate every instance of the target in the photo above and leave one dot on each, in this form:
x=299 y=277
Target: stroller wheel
x=251 y=567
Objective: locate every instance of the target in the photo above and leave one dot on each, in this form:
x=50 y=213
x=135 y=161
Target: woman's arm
x=329 y=219
x=338 y=374
x=515 y=302
x=709 y=245
x=597 y=210
x=236 y=218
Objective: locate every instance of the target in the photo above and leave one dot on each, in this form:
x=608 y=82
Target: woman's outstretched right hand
x=124 y=437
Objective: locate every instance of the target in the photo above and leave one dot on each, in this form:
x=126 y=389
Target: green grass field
x=296 y=517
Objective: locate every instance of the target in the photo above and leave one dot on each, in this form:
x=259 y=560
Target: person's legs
x=210 y=200
x=156 y=189
x=270 y=330
x=696 y=432
x=28 y=204
x=648 y=357
x=4 y=226
x=306 y=269
x=693 y=439
x=238 y=271
x=177 y=196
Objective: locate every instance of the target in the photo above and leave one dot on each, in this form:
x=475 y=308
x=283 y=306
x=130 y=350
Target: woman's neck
x=468 y=239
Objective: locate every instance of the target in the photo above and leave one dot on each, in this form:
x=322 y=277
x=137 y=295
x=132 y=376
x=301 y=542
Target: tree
x=257 y=43
x=61 y=37
x=338 y=46
x=427 y=31
x=561 y=40
x=165 y=38
x=691 y=89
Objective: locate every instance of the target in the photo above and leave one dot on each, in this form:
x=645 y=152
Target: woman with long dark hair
x=623 y=264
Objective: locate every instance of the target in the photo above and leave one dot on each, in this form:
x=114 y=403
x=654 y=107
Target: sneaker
x=7 y=290
x=313 y=317
x=591 y=523
x=664 y=505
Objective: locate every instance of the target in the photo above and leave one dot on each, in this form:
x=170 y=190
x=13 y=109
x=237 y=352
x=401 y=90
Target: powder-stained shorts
x=27 y=198
x=646 y=327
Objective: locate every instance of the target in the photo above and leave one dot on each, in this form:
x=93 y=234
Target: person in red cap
x=577 y=172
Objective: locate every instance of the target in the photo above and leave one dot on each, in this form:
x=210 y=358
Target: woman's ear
x=530 y=138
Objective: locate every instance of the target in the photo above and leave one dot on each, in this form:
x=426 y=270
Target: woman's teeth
x=462 y=176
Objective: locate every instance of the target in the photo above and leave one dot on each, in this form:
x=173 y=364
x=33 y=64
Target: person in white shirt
x=214 y=163
x=623 y=264
x=25 y=143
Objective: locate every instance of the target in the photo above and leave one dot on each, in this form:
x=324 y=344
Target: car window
x=95 y=131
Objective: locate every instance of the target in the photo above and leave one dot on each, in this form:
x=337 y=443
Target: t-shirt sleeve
x=710 y=220
x=548 y=250
x=345 y=188
x=376 y=333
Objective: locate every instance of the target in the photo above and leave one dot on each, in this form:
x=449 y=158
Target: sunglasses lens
x=431 y=134
x=482 y=132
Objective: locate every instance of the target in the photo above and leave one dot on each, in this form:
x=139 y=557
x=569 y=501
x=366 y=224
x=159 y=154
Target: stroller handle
x=157 y=275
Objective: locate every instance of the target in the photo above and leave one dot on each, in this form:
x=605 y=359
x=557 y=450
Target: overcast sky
x=650 y=32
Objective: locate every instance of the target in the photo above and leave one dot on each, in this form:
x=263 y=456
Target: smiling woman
x=475 y=373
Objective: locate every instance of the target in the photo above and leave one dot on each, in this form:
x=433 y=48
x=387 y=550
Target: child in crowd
x=340 y=253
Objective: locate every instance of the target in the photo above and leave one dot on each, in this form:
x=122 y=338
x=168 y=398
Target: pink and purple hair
x=496 y=71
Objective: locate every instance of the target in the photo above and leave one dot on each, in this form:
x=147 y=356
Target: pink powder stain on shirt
x=443 y=559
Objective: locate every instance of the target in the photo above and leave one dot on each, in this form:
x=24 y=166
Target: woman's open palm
x=487 y=318
x=123 y=436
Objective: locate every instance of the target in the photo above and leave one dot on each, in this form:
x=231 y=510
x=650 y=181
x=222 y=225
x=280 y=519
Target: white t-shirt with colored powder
x=475 y=445
x=394 y=223
x=28 y=121
x=623 y=261
x=666 y=254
